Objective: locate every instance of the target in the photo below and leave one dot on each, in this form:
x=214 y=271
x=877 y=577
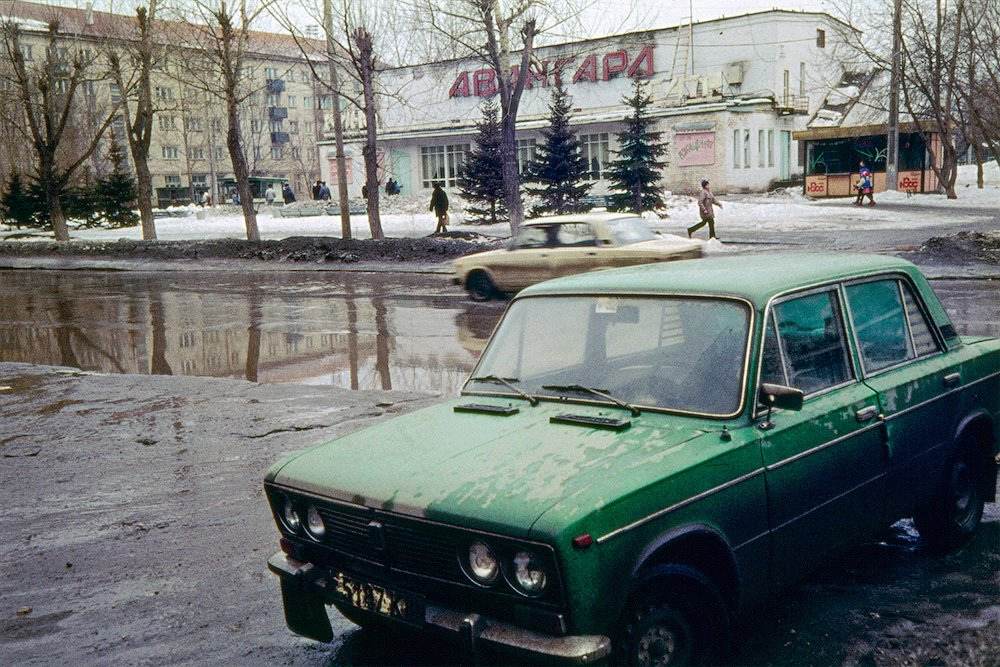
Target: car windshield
x=629 y=230
x=675 y=353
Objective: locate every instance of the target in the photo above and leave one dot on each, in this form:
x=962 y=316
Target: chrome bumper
x=305 y=613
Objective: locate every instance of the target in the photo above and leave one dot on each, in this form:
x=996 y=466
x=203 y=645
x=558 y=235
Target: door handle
x=952 y=379
x=866 y=414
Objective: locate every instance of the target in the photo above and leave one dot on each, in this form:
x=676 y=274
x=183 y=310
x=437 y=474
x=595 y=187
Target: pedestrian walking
x=439 y=204
x=706 y=200
x=316 y=190
x=270 y=195
x=287 y=194
x=324 y=191
x=865 y=186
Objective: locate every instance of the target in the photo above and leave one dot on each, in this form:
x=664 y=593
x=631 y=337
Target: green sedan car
x=642 y=455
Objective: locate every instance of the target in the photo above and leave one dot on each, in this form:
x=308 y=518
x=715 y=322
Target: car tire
x=480 y=287
x=676 y=616
x=952 y=516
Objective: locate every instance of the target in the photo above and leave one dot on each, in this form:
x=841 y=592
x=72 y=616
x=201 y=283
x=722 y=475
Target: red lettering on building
x=642 y=66
x=461 y=86
x=559 y=67
x=909 y=183
x=484 y=82
x=587 y=71
x=542 y=77
x=615 y=62
x=815 y=186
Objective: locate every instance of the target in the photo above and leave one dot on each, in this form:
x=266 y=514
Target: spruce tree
x=482 y=184
x=117 y=193
x=18 y=205
x=559 y=166
x=635 y=174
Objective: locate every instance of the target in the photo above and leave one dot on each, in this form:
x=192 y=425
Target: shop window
x=442 y=164
x=527 y=149
x=594 y=148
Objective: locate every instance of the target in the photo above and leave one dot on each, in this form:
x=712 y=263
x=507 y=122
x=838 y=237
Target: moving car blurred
x=563 y=245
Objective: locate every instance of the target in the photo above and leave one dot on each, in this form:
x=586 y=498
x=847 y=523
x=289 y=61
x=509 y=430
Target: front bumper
x=303 y=592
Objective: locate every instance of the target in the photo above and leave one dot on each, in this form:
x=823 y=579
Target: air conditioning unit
x=734 y=73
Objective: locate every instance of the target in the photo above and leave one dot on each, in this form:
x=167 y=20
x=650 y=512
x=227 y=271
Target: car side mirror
x=779 y=396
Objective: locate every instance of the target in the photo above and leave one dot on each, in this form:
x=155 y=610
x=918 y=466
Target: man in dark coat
x=439 y=204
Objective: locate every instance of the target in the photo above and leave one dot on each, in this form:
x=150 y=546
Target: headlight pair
x=524 y=572
x=292 y=520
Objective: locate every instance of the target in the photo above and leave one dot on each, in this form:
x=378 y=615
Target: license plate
x=379 y=599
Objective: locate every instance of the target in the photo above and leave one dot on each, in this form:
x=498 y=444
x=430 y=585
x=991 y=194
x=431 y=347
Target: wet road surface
x=414 y=332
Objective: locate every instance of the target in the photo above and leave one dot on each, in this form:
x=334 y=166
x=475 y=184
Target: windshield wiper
x=579 y=388
x=507 y=382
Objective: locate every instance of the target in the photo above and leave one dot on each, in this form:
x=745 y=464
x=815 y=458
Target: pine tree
x=635 y=174
x=117 y=193
x=18 y=205
x=559 y=166
x=482 y=184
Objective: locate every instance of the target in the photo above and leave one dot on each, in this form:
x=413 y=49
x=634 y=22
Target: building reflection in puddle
x=358 y=331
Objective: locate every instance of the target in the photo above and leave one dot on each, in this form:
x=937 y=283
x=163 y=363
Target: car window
x=575 y=234
x=812 y=344
x=882 y=324
x=920 y=329
x=629 y=230
x=535 y=236
x=679 y=353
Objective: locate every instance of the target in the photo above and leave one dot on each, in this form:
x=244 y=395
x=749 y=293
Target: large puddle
x=352 y=330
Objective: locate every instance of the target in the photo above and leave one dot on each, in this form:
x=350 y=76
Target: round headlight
x=314 y=524
x=291 y=516
x=483 y=564
x=528 y=573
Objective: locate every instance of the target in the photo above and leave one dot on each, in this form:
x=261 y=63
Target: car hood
x=487 y=471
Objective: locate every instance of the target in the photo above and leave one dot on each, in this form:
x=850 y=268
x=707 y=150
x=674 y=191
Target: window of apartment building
x=277 y=152
x=217 y=125
x=276 y=126
x=761 y=135
x=820 y=38
x=274 y=99
x=57 y=53
x=741 y=149
x=168 y=122
x=89 y=88
x=62 y=85
x=786 y=87
x=218 y=152
x=172 y=180
x=164 y=93
x=256 y=152
x=196 y=153
x=118 y=125
x=310 y=127
x=26 y=52
x=802 y=79
x=746 y=149
x=770 y=148
x=443 y=164
x=307 y=102
x=254 y=96
x=116 y=93
x=594 y=148
x=296 y=152
x=293 y=126
x=85 y=55
x=527 y=149
x=170 y=152
x=293 y=101
x=199 y=180
x=255 y=126
x=326 y=102
x=193 y=124
x=271 y=73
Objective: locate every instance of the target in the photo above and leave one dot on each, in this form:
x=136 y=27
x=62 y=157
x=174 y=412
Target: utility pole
x=338 y=126
x=892 y=138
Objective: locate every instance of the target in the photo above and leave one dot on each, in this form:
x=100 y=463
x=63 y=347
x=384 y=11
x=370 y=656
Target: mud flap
x=305 y=612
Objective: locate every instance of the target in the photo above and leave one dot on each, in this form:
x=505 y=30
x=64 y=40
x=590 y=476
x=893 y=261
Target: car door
x=528 y=261
x=825 y=464
x=901 y=359
x=575 y=250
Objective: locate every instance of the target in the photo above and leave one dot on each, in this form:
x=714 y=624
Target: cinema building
x=727 y=96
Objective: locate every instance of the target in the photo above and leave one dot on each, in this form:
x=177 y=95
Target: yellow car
x=562 y=245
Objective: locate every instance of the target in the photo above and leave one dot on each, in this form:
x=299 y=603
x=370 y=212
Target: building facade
x=281 y=118
x=727 y=96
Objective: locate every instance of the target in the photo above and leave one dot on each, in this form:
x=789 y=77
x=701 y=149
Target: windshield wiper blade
x=582 y=389
x=507 y=382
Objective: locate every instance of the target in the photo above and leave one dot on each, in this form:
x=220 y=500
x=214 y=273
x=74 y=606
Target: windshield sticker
x=606 y=305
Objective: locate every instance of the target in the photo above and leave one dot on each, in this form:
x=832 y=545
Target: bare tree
x=45 y=98
x=133 y=80
x=981 y=94
x=223 y=40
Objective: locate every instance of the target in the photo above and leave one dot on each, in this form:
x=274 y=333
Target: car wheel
x=677 y=617
x=480 y=287
x=954 y=513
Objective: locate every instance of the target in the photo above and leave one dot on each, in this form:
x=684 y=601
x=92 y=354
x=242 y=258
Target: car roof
x=578 y=217
x=756 y=278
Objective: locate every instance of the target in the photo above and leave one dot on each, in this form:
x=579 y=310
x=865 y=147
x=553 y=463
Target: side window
x=531 y=237
x=811 y=341
x=576 y=234
x=880 y=324
x=920 y=330
x=772 y=369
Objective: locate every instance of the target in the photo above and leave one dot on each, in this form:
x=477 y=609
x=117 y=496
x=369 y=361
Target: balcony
x=275 y=86
x=280 y=138
x=277 y=113
x=792 y=104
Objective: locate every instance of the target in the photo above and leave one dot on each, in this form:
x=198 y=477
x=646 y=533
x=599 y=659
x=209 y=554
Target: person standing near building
x=706 y=200
x=316 y=190
x=287 y=194
x=439 y=204
x=865 y=183
x=269 y=195
x=324 y=192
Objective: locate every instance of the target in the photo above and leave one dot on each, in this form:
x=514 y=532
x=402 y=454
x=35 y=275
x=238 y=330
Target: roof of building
x=756 y=278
